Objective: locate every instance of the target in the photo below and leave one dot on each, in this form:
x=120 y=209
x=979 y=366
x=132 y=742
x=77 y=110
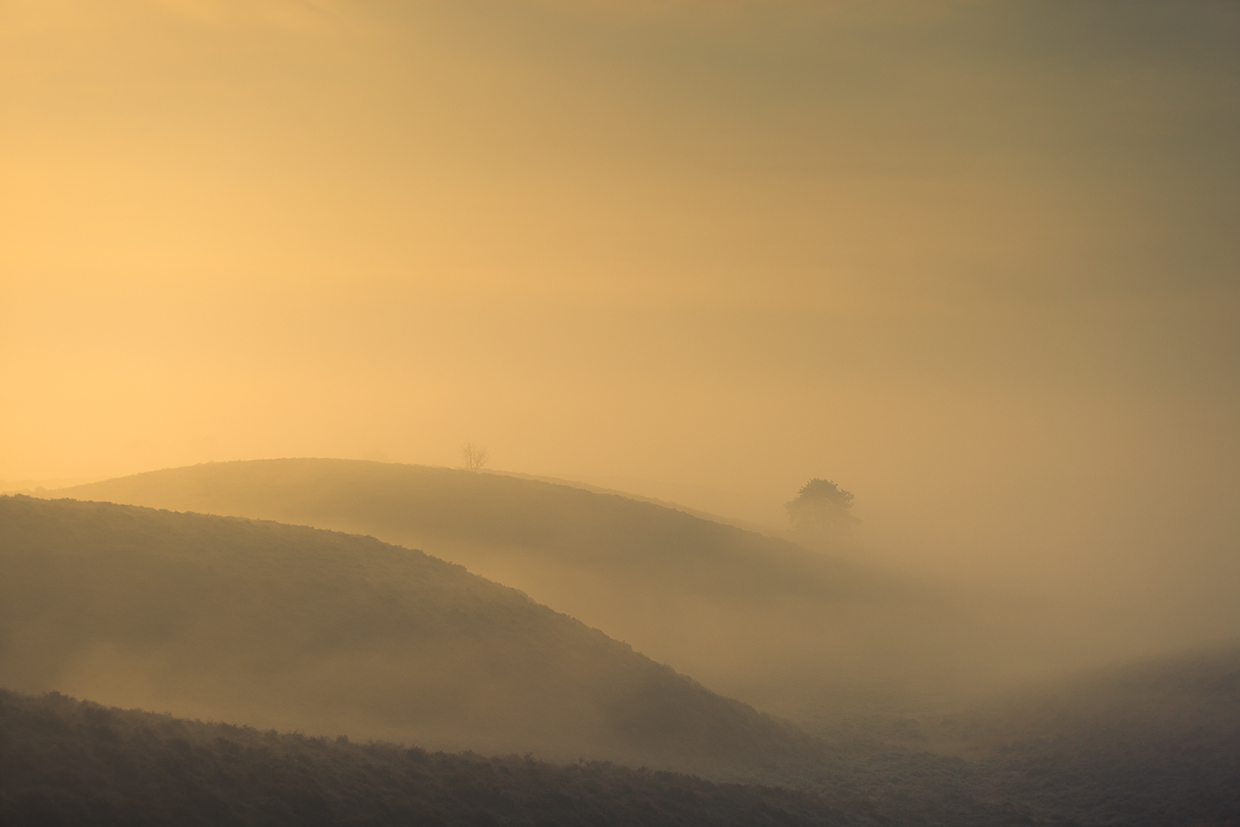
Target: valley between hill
x=273 y=626
x=298 y=628
x=792 y=631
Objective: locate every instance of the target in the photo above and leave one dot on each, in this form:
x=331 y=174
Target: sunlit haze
x=976 y=262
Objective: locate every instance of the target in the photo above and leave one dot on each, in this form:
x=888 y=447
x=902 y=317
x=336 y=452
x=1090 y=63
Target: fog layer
x=275 y=625
x=974 y=261
x=800 y=632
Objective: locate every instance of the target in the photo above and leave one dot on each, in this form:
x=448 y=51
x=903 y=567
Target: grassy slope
x=1166 y=733
x=756 y=617
x=293 y=627
x=323 y=637
x=1152 y=743
x=65 y=762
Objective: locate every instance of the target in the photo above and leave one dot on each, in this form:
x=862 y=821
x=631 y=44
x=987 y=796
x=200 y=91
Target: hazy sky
x=974 y=261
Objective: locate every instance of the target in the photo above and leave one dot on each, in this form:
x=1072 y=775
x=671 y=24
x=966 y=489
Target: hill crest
x=294 y=627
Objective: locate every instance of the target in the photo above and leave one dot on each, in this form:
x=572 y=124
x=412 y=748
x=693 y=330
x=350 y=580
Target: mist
x=973 y=261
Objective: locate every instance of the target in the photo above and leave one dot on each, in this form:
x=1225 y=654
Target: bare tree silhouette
x=474 y=457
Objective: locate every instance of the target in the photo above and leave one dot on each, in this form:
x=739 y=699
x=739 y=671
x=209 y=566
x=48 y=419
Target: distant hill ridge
x=291 y=627
x=452 y=505
x=616 y=487
x=792 y=631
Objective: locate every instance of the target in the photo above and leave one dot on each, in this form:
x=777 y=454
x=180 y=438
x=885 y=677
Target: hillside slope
x=1151 y=743
x=68 y=762
x=1148 y=744
x=71 y=763
x=297 y=628
x=793 y=631
x=277 y=626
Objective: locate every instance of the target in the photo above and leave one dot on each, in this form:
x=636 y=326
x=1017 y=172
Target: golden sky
x=975 y=261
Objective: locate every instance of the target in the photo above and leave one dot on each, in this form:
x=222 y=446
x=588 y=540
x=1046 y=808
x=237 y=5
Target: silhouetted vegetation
x=820 y=511
x=473 y=457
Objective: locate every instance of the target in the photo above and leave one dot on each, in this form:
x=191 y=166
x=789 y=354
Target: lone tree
x=474 y=457
x=820 y=511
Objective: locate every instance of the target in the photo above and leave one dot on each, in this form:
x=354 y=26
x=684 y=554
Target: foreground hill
x=1152 y=743
x=1175 y=762
x=68 y=763
x=297 y=628
x=274 y=625
x=755 y=617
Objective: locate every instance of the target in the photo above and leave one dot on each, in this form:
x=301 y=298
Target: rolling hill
x=270 y=625
x=1148 y=743
x=1151 y=744
x=63 y=762
x=298 y=628
x=792 y=631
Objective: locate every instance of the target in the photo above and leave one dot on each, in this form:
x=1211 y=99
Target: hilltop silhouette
x=299 y=628
x=793 y=631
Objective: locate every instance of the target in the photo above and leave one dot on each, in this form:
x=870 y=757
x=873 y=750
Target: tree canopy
x=821 y=510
